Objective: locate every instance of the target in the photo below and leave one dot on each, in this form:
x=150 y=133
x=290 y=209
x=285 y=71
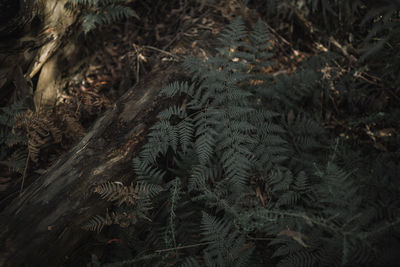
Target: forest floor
x=119 y=56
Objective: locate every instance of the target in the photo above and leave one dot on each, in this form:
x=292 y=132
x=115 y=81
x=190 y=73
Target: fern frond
x=260 y=38
x=17 y=161
x=177 y=88
x=8 y=113
x=116 y=191
x=227 y=245
x=94 y=3
x=176 y=111
x=170 y=234
x=288 y=198
x=113 y=13
x=146 y=172
x=101 y=12
x=90 y=21
x=190 y=262
x=233 y=35
x=299 y=259
x=186 y=133
x=97 y=223
x=146 y=190
x=205 y=147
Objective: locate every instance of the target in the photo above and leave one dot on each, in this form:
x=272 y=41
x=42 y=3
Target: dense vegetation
x=255 y=168
x=245 y=165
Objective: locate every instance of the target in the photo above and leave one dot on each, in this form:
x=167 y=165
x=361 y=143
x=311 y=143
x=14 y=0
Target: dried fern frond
x=116 y=191
x=124 y=219
x=16 y=162
x=73 y=128
x=39 y=129
x=97 y=222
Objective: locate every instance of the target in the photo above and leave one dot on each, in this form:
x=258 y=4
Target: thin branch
x=162 y=51
x=25 y=172
x=184 y=247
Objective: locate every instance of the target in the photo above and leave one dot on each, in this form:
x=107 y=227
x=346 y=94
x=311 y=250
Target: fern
x=137 y=199
x=9 y=141
x=96 y=223
x=117 y=192
x=101 y=12
x=230 y=133
x=170 y=238
x=226 y=243
x=241 y=159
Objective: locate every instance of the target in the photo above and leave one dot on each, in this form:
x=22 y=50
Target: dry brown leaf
x=296 y=236
x=260 y=196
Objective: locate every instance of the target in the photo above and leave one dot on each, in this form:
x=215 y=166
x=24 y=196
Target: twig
x=184 y=247
x=279 y=36
x=342 y=49
x=25 y=171
x=137 y=64
x=261 y=238
x=311 y=30
x=162 y=51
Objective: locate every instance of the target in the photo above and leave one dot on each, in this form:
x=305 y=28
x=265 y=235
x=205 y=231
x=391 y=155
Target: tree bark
x=42 y=226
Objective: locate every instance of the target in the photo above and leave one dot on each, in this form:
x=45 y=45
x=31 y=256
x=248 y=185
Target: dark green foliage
x=332 y=15
x=9 y=141
x=100 y=12
x=368 y=29
x=232 y=138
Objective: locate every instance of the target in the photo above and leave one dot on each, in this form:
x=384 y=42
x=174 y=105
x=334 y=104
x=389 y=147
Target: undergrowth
x=245 y=165
x=100 y=12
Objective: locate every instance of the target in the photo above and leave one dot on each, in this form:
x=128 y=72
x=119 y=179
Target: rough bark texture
x=42 y=226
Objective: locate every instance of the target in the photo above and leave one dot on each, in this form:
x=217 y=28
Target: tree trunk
x=42 y=226
x=31 y=32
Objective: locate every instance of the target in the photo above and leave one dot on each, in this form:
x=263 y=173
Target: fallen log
x=43 y=224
